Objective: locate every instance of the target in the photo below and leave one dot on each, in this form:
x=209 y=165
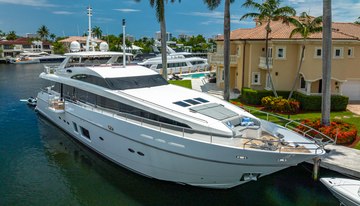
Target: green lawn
x=183 y=83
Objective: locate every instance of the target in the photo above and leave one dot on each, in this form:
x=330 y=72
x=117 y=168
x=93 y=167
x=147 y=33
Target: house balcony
x=216 y=58
x=262 y=63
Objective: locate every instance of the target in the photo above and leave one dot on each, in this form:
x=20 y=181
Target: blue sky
x=192 y=17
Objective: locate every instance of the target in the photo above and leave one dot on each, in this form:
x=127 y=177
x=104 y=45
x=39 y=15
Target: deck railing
x=320 y=137
x=215 y=138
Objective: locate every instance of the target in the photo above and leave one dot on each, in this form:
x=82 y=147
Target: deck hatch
x=214 y=110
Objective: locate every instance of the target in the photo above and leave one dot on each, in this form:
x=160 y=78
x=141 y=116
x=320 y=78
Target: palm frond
x=212 y=4
x=250 y=15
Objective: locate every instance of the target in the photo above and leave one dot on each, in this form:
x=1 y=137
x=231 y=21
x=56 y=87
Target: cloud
x=214 y=14
x=101 y=20
x=35 y=3
x=63 y=12
x=214 y=17
x=342 y=11
x=127 y=10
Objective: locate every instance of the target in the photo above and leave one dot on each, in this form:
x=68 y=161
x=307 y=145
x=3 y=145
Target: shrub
x=346 y=133
x=279 y=104
x=253 y=97
x=307 y=102
x=313 y=103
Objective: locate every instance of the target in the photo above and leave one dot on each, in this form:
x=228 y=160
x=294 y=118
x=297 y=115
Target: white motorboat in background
x=346 y=190
x=177 y=63
x=37 y=57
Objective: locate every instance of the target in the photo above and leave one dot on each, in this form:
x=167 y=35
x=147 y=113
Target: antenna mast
x=124 y=55
x=89 y=13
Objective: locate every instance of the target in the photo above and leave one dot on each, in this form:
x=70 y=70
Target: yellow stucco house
x=248 y=68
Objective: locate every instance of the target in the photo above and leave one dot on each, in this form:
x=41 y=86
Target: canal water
x=41 y=165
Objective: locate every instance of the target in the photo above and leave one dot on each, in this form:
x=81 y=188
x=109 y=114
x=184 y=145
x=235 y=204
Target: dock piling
x=316 y=168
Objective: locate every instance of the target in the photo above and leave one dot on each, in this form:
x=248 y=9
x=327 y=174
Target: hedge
x=253 y=97
x=313 y=103
x=307 y=102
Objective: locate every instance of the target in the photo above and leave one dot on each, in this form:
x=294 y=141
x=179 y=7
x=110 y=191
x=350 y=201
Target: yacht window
x=191 y=101
x=91 y=79
x=201 y=100
x=136 y=82
x=183 y=104
x=85 y=132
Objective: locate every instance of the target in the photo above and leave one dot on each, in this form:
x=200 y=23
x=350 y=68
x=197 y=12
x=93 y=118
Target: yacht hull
x=162 y=155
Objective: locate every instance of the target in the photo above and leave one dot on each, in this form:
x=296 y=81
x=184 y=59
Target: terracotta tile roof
x=279 y=30
x=22 y=41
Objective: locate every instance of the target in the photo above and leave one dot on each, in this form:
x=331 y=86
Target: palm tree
x=269 y=10
x=52 y=37
x=160 y=15
x=305 y=25
x=326 y=66
x=212 y=4
x=357 y=22
x=2 y=33
x=43 y=32
x=11 y=35
x=97 y=32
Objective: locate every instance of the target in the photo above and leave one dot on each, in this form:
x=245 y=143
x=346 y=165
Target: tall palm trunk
x=227 y=50
x=326 y=66
x=298 y=71
x=163 y=46
x=268 y=30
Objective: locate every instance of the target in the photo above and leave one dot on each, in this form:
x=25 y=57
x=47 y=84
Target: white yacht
x=344 y=189
x=177 y=63
x=133 y=117
x=37 y=57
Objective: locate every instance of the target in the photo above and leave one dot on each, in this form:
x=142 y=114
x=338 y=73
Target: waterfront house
x=248 y=68
x=12 y=48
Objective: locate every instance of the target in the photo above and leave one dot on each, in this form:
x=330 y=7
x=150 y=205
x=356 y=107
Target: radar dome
x=104 y=46
x=75 y=46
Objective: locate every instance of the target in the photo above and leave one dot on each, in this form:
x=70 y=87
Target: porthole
x=59 y=117
x=140 y=153
x=131 y=150
x=102 y=139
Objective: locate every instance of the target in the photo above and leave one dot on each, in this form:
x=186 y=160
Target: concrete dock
x=341 y=159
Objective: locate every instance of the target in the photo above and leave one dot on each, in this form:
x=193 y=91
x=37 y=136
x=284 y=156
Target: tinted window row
x=170 y=65
x=197 y=62
x=122 y=83
x=73 y=93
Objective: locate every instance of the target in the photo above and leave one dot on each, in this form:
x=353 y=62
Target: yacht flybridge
x=133 y=117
